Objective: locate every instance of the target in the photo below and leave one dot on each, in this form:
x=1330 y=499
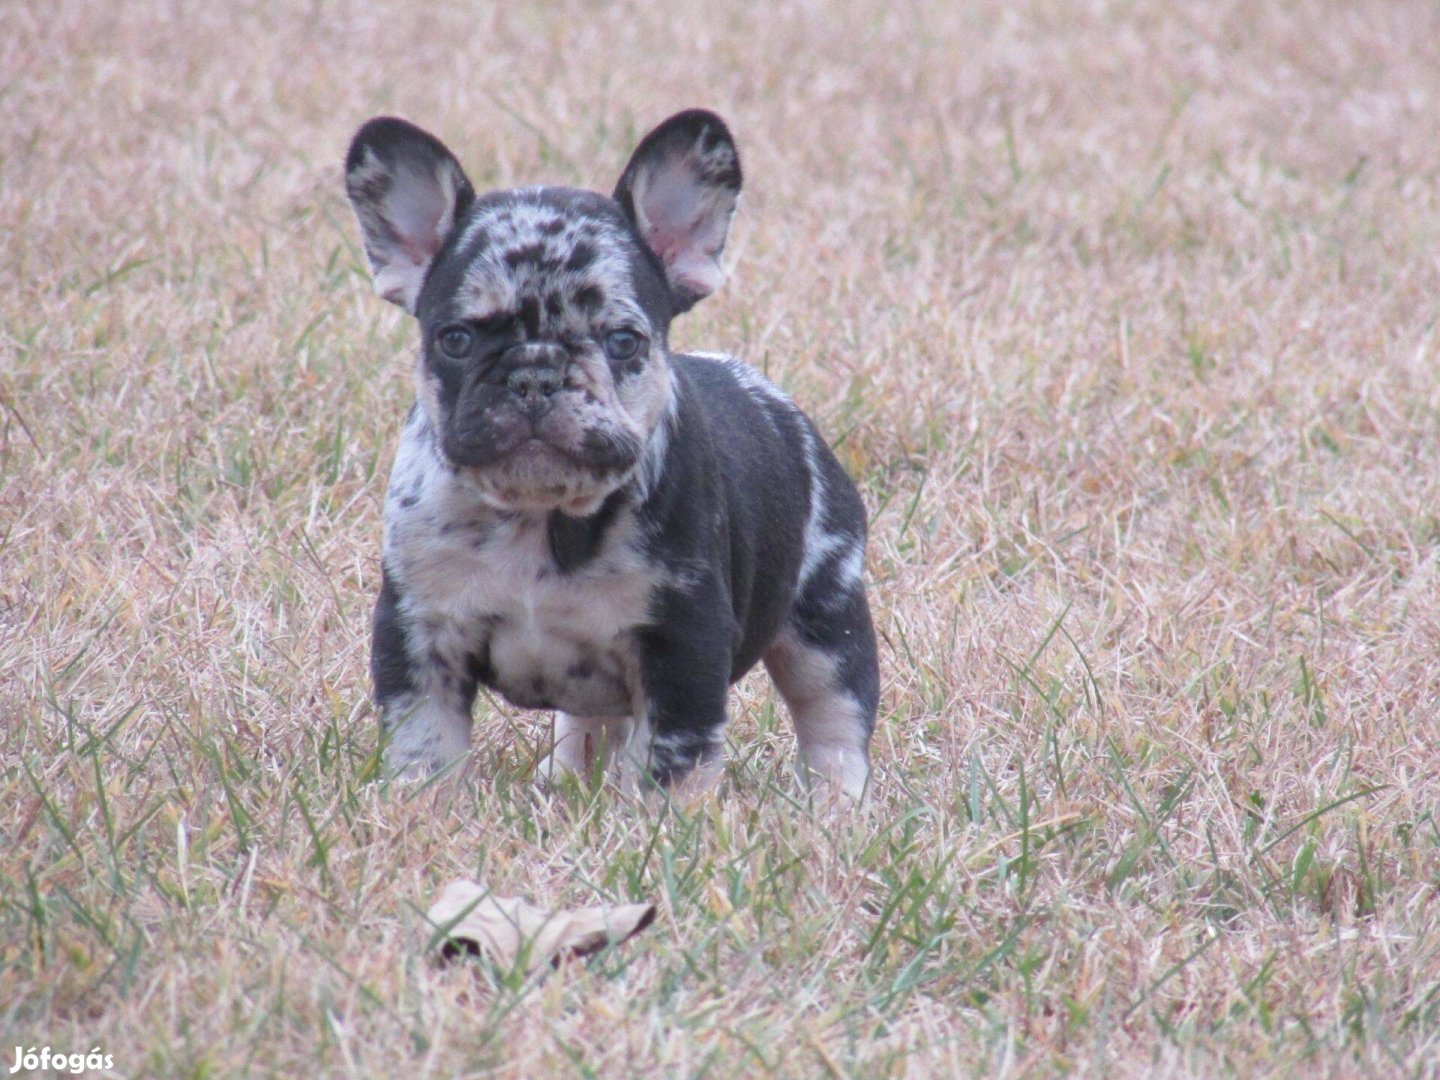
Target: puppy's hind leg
x=580 y=743
x=824 y=665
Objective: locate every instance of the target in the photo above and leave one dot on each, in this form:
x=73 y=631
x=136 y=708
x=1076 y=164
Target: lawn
x=1123 y=316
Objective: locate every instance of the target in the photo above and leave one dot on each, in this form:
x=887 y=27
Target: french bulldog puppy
x=578 y=518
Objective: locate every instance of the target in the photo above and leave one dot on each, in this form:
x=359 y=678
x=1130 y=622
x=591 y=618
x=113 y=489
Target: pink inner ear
x=421 y=214
x=666 y=243
x=684 y=222
x=674 y=205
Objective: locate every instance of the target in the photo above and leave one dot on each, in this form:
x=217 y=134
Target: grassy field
x=1124 y=315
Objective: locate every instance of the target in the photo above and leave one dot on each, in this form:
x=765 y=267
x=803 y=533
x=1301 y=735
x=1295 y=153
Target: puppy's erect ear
x=680 y=191
x=408 y=191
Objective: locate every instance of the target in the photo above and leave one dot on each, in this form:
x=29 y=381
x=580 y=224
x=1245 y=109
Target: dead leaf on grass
x=502 y=926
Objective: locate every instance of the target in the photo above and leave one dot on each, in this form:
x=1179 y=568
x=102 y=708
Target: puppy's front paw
x=422 y=738
x=409 y=768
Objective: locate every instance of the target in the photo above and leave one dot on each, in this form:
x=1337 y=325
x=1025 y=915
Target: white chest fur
x=481 y=591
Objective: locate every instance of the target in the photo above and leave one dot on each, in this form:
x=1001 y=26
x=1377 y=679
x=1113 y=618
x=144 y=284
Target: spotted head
x=544 y=311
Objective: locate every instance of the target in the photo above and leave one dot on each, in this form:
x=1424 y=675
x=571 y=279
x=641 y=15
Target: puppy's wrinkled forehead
x=561 y=261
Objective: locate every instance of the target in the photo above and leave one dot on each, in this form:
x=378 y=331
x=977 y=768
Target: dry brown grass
x=1126 y=315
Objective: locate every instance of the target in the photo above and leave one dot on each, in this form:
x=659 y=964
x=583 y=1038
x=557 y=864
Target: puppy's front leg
x=424 y=704
x=685 y=671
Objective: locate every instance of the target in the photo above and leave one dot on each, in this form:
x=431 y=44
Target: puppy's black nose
x=535 y=385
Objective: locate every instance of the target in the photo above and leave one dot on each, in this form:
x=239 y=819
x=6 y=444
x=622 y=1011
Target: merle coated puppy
x=578 y=518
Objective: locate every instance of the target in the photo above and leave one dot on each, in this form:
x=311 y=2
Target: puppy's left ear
x=408 y=191
x=680 y=191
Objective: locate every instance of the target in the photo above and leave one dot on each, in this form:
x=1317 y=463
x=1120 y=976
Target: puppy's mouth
x=593 y=450
x=560 y=459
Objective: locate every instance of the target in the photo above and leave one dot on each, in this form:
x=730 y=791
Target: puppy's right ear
x=408 y=191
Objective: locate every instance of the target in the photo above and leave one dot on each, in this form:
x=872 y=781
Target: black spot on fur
x=531 y=254
x=581 y=257
x=575 y=541
x=589 y=297
x=530 y=316
x=534 y=255
x=389 y=652
x=624 y=369
x=552 y=226
x=478 y=669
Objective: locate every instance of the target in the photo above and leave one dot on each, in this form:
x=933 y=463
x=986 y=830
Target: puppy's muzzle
x=534 y=388
x=534 y=374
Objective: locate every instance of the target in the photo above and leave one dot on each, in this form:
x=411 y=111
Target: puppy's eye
x=455 y=341
x=622 y=344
